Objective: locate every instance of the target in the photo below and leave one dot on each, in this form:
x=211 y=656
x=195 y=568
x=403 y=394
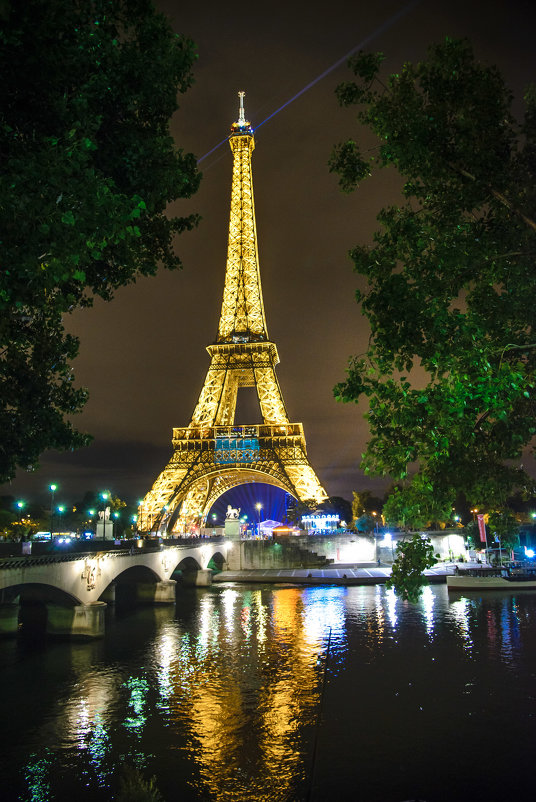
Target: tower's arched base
x=209 y=462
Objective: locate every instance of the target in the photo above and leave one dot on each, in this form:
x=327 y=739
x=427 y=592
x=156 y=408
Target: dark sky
x=143 y=356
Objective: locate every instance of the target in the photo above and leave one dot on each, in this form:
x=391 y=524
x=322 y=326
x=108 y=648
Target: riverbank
x=340 y=574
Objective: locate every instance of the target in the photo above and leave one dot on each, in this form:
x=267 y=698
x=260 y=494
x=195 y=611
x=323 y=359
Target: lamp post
x=60 y=510
x=52 y=488
x=104 y=496
x=140 y=521
x=20 y=506
x=91 y=514
x=116 y=518
x=258 y=507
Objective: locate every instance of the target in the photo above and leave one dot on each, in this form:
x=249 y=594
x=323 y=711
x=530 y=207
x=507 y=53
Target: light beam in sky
x=381 y=29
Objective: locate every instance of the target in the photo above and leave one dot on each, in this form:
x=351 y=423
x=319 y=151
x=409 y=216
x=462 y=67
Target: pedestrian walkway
x=358 y=574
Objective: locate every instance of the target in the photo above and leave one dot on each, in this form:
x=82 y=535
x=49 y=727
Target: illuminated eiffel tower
x=213 y=453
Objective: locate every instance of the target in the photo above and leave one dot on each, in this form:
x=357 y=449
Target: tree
x=363 y=501
x=450 y=370
x=503 y=528
x=413 y=506
x=297 y=508
x=413 y=556
x=365 y=523
x=339 y=505
x=87 y=91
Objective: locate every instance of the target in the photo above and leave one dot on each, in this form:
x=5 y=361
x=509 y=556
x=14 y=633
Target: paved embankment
x=333 y=575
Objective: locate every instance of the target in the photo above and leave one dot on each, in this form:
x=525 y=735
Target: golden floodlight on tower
x=214 y=453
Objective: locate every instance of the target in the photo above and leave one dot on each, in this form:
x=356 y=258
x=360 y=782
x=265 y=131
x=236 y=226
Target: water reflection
x=219 y=697
x=459 y=611
x=427 y=603
x=390 y=603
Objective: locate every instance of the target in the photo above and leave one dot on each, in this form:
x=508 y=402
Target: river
x=276 y=694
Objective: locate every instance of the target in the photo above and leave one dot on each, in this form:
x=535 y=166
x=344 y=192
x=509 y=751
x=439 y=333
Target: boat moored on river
x=511 y=577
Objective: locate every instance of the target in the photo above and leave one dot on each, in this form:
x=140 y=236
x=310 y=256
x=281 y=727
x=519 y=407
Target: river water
x=270 y=693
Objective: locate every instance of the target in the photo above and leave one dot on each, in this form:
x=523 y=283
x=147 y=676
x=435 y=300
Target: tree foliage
x=88 y=168
x=340 y=506
x=449 y=281
x=415 y=505
x=413 y=556
x=504 y=528
x=297 y=508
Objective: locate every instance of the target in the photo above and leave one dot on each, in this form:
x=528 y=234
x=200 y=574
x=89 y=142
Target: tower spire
x=242 y=316
x=241 y=126
x=241 y=117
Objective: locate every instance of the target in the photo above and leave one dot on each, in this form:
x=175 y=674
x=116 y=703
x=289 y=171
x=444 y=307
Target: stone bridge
x=75 y=588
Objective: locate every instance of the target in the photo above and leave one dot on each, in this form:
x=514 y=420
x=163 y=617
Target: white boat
x=492 y=580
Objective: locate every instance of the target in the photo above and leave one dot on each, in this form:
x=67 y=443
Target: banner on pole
x=481 y=528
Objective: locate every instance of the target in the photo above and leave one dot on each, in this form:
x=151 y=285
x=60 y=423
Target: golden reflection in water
x=246 y=692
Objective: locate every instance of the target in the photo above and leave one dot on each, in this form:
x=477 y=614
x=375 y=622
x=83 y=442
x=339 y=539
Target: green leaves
x=348 y=162
x=450 y=368
x=413 y=556
x=68 y=218
x=89 y=168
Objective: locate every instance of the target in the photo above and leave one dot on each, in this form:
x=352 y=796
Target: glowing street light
x=52 y=488
x=258 y=507
x=60 y=510
x=105 y=497
x=20 y=505
x=116 y=515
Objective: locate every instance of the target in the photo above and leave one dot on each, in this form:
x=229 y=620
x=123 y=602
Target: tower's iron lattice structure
x=213 y=454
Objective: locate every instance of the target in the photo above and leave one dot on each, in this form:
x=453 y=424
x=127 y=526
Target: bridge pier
x=84 y=621
x=201 y=578
x=157 y=592
x=234 y=556
x=109 y=594
x=9 y=618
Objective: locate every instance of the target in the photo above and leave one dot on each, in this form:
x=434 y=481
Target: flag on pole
x=481 y=528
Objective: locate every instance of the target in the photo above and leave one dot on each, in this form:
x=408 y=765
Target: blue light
x=529 y=553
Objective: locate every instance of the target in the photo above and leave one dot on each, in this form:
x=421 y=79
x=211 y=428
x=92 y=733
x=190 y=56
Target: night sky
x=143 y=356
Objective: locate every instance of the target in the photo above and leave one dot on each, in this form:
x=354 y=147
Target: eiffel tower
x=213 y=453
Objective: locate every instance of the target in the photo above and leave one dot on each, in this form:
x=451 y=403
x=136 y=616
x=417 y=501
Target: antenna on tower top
x=241 y=117
x=241 y=126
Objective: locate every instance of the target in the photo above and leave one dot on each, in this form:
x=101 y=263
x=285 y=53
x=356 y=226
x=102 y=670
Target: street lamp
x=20 y=505
x=91 y=515
x=52 y=489
x=104 y=496
x=60 y=509
x=258 y=507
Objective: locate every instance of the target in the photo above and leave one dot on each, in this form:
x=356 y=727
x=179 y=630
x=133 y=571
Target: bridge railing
x=77 y=549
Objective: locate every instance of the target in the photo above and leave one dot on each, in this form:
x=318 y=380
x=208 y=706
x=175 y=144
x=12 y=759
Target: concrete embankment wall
x=267 y=554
